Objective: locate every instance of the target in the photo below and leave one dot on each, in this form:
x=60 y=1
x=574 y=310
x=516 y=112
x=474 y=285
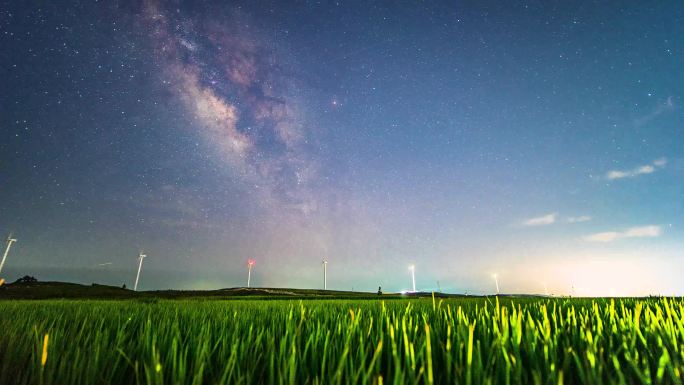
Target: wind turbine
x=141 y=256
x=413 y=276
x=325 y=274
x=250 y=263
x=10 y=241
x=496 y=280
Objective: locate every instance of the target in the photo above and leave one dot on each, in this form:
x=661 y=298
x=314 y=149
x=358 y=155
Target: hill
x=53 y=290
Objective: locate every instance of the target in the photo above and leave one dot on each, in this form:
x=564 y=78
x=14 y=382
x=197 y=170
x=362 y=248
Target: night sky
x=542 y=141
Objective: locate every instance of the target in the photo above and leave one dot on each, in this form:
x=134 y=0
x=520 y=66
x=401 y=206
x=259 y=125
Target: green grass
x=465 y=341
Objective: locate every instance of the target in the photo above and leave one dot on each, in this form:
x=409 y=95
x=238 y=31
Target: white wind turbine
x=141 y=256
x=325 y=274
x=496 y=280
x=250 y=264
x=413 y=276
x=10 y=241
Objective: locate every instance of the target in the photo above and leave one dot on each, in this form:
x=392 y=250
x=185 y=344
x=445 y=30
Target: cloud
x=641 y=170
x=662 y=107
x=607 y=236
x=640 y=232
x=581 y=218
x=552 y=218
x=541 y=221
x=633 y=232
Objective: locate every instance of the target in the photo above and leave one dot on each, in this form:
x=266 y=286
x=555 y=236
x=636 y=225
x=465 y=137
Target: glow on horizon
x=591 y=277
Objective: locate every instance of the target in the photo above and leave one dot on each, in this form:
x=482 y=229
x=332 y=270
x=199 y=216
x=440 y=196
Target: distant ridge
x=54 y=290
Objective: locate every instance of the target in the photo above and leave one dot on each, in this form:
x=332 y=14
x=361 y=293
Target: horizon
x=541 y=142
x=407 y=292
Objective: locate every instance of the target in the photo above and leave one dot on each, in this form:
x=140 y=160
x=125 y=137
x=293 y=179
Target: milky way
x=232 y=83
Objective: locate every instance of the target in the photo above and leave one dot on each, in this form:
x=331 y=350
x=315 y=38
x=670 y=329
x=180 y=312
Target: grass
x=416 y=341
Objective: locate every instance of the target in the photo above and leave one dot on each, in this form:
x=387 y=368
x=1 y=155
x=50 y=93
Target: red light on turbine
x=251 y=262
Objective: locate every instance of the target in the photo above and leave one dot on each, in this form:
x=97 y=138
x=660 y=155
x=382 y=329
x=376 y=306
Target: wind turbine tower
x=496 y=281
x=413 y=276
x=10 y=241
x=141 y=256
x=325 y=274
x=250 y=264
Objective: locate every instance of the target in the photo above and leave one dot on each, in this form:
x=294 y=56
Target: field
x=342 y=341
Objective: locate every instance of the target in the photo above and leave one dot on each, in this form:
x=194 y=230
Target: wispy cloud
x=541 y=221
x=662 y=107
x=633 y=232
x=552 y=218
x=581 y=218
x=641 y=170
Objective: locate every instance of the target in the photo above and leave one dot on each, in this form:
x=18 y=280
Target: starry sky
x=539 y=141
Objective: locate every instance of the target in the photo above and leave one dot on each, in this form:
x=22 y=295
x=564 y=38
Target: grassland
x=358 y=341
